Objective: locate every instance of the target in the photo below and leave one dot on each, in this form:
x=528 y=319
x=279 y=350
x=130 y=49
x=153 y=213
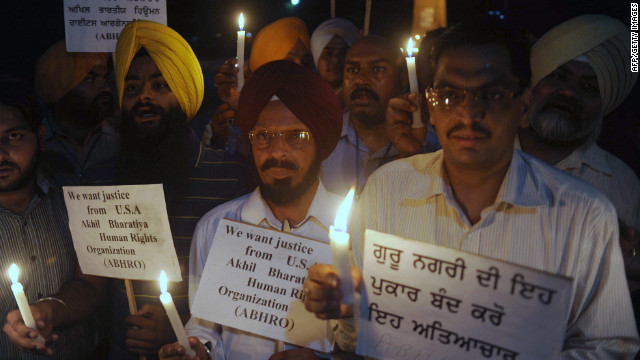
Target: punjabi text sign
x=254 y=277
x=95 y=25
x=423 y=301
x=122 y=231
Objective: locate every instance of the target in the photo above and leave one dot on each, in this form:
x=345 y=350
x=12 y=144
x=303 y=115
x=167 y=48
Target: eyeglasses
x=449 y=97
x=295 y=139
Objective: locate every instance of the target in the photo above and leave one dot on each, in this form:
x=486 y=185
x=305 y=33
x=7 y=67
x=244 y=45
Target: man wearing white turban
x=329 y=44
x=581 y=72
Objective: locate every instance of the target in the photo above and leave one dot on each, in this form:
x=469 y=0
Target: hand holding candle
x=21 y=299
x=172 y=314
x=413 y=83
x=240 y=52
x=340 y=248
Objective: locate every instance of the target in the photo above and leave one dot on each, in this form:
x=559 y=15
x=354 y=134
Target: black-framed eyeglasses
x=447 y=97
x=295 y=139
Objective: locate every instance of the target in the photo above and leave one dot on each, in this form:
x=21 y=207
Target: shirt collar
x=256 y=210
x=519 y=187
x=589 y=155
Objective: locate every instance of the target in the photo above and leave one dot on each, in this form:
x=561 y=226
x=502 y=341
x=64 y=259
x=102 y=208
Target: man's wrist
x=57 y=310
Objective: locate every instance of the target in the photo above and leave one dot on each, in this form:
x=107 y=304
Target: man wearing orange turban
x=160 y=88
x=81 y=143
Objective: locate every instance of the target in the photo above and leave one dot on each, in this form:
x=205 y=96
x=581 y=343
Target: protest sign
x=94 y=25
x=424 y=301
x=254 y=277
x=122 y=231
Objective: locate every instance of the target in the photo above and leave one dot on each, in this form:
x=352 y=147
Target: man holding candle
x=480 y=195
x=293 y=120
x=34 y=235
x=373 y=74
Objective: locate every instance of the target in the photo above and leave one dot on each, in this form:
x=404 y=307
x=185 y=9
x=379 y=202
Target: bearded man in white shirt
x=480 y=195
x=293 y=121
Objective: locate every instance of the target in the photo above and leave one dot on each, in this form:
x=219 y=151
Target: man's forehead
x=480 y=64
x=578 y=67
x=143 y=66
x=371 y=51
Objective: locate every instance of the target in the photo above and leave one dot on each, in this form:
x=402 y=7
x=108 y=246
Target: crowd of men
x=506 y=167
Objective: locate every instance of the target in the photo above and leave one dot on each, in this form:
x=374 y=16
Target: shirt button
x=34 y=258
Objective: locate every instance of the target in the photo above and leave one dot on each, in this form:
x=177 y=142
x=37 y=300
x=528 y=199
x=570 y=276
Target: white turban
x=604 y=41
x=327 y=30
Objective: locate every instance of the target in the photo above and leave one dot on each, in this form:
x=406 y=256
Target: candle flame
x=410 y=47
x=241 y=21
x=163 y=282
x=343 y=212
x=13 y=273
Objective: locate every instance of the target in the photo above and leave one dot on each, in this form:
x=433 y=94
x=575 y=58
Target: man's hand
x=323 y=293
x=227 y=83
x=176 y=351
x=295 y=354
x=629 y=238
x=24 y=337
x=403 y=136
x=149 y=330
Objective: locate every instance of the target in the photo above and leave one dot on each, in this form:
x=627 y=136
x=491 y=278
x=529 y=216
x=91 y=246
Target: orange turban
x=59 y=71
x=275 y=41
x=172 y=55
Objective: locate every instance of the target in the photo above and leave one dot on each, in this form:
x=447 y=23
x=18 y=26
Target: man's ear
x=525 y=107
x=42 y=133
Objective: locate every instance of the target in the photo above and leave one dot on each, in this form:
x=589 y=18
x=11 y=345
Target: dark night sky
x=31 y=26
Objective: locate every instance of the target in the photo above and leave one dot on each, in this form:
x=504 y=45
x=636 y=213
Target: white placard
x=94 y=25
x=424 y=301
x=122 y=231
x=253 y=280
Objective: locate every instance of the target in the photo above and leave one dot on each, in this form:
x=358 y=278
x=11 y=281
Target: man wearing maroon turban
x=293 y=121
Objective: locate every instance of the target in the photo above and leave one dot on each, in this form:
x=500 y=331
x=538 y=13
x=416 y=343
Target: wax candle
x=367 y=17
x=340 y=248
x=172 y=314
x=413 y=83
x=21 y=299
x=240 y=52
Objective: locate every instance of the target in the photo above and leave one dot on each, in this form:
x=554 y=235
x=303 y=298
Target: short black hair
x=16 y=93
x=486 y=31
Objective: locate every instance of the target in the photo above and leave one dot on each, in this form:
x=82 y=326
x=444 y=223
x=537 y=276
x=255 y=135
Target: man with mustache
x=160 y=88
x=293 y=120
x=572 y=91
x=34 y=234
x=372 y=76
x=480 y=195
x=80 y=143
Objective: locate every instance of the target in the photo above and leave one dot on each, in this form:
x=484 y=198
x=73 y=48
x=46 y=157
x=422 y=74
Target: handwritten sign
x=423 y=301
x=254 y=277
x=122 y=231
x=94 y=25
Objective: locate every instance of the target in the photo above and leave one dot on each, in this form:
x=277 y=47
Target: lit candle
x=241 y=52
x=21 y=299
x=173 y=316
x=413 y=83
x=340 y=248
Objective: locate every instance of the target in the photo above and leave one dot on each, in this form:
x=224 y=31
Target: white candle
x=21 y=299
x=240 y=52
x=333 y=8
x=413 y=83
x=172 y=314
x=340 y=248
x=367 y=17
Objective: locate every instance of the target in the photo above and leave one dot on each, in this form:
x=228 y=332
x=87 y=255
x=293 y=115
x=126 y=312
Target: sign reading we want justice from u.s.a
x=253 y=279
x=423 y=301
x=122 y=231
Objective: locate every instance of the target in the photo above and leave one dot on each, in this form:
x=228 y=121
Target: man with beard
x=481 y=196
x=293 y=119
x=81 y=143
x=160 y=88
x=580 y=73
x=34 y=235
x=372 y=76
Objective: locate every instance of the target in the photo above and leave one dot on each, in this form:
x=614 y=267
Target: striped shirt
x=541 y=218
x=215 y=178
x=39 y=242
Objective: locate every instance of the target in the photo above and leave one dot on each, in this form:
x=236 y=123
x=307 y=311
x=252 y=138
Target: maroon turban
x=304 y=92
